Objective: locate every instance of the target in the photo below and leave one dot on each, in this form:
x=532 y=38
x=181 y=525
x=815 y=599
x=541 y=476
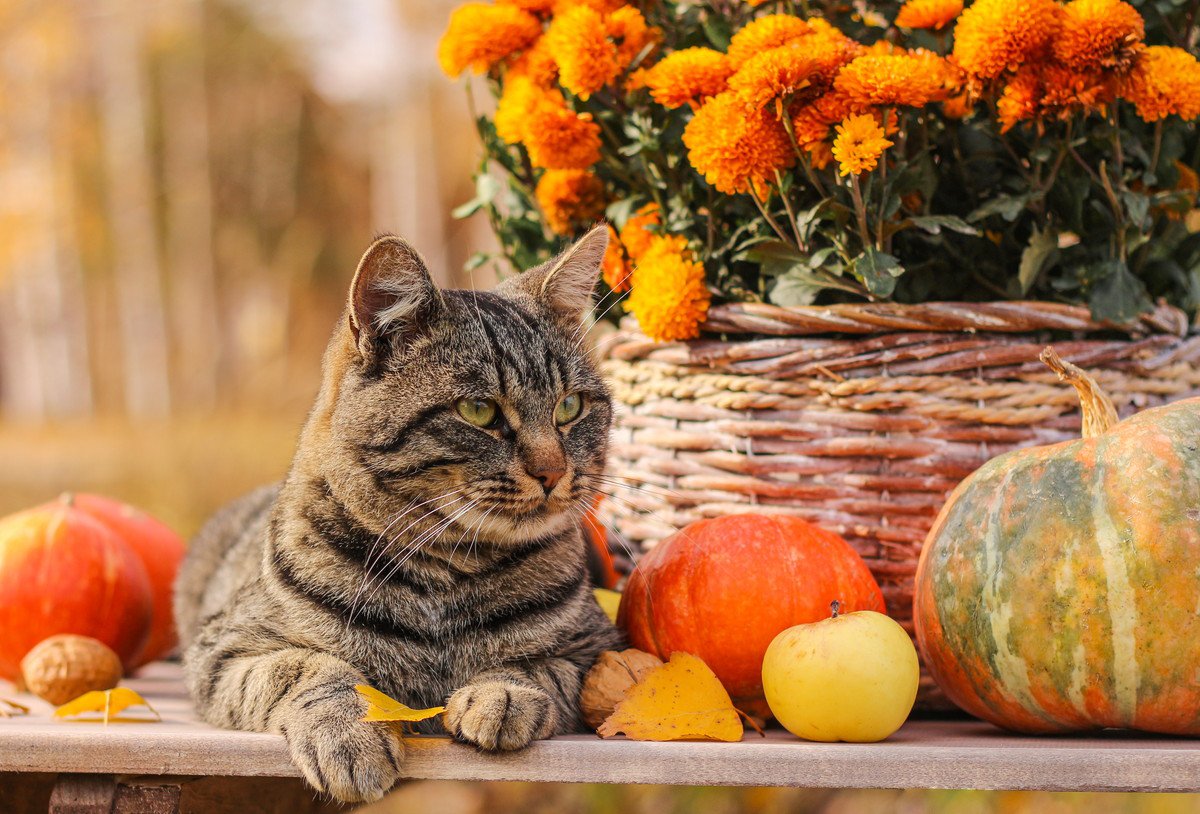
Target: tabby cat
x=426 y=540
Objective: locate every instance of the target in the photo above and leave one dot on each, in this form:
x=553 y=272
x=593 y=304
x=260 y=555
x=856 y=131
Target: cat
x=426 y=540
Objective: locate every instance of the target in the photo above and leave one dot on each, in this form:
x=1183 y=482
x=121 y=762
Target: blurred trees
x=186 y=185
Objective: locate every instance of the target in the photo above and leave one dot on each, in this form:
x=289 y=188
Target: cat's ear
x=392 y=296
x=565 y=284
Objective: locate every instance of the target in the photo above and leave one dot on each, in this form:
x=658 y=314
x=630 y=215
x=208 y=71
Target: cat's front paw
x=340 y=754
x=496 y=715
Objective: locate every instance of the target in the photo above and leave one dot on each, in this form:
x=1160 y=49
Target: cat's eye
x=568 y=409
x=480 y=412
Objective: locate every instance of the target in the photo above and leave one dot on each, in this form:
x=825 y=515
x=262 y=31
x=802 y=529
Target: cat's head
x=485 y=405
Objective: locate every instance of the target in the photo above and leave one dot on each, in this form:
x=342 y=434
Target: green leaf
x=934 y=224
x=486 y=189
x=796 y=287
x=1008 y=207
x=776 y=257
x=806 y=220
x=1117 y=295
x=1040 y=254
x=717 y=30
x=878 y=271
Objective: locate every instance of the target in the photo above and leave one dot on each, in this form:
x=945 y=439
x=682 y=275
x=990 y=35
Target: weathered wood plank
x=924 y=754
x=83 y=794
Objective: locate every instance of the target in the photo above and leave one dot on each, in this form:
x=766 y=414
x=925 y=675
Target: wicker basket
x=861 y=417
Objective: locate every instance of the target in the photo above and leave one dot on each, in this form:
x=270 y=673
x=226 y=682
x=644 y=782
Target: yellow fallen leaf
x=681 y=700
x=609 y=602
x=11 y=709
x=108 y=702
x=381 y=707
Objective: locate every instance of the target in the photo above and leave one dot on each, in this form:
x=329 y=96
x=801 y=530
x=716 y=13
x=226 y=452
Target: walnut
x=609 y=681
x=62 y=668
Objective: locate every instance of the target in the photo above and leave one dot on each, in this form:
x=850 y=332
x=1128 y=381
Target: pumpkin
x=1057 y=590
x=722 y=589
x=61 y=571
x=158 y=547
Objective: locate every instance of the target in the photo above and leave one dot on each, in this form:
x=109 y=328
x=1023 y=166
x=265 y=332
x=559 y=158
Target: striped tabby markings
x=1012 y=669
x=1122 y=608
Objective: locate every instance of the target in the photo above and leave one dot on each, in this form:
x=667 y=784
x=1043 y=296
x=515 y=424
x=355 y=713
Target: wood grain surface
x=924 y=754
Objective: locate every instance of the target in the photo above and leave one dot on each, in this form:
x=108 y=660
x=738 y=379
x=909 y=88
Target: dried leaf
x=11 y=709
x=682 y=700
x=381 y=707
x=109 y=702
x=609 y=602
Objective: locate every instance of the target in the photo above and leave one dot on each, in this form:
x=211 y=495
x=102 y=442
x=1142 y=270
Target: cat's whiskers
x=415 y=545
x=584 y=328
x=365 y=582
x=370 y=559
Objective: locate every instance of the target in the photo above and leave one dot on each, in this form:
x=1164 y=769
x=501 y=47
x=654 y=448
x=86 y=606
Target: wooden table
x=954 y=754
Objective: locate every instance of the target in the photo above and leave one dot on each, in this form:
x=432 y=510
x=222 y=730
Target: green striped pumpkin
x=1059 y=588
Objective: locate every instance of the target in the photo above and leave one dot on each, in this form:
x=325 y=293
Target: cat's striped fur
x=408 y=549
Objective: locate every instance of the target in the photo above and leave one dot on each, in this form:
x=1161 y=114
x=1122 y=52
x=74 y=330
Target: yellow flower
x=569 y=199
x=587 y=60
x=995 y=36
x=1099 y=34
x=558 y=138
x=518 y=99
x=481 y=35
x=859 y=143
x=627 y=28
x=1164 y=81
x=890 y=79
x=935 y=14
x=615 y=267
x=736 y=148
x=763 y=34
x=669 y=297
x=777 y=74
x=640 y=229
x=687 y=76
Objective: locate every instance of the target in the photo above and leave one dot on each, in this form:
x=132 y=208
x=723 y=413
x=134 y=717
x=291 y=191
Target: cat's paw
x=496 y=715
x=340 y=754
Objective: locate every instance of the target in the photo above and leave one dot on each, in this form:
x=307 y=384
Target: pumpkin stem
x=1099 y=414
x=835 y=606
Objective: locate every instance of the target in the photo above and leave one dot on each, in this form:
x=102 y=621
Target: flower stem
x=771 y=220
x=860 y=210
x=787 y=204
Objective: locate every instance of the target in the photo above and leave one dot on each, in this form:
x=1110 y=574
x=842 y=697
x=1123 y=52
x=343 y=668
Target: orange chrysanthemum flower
x=820 y=154
x=615 y=266
x=736 y=148
x=534 y=6
x=627 y=28
x=995 y=36
x=958 y=106
x=688 y=76
x=764 y=34
x=558 y=138
x=640 y=229
x=859 y=143
x=537 y=64
x=935 y=14
x=1020 y=99
x=602 y=6
x=587 y=60
x=774 y=75
x=1164 y=81
x=569 y=199
x=480 y=35
x=1048 y=89
x=670 y=298
x=890 y=79
x=811 y=123
x=1099 y=34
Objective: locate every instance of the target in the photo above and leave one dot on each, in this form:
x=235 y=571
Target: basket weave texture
x=861 y=418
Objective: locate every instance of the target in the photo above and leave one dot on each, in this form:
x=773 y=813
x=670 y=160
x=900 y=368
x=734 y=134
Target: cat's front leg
x=308 y=697
x=510 y=707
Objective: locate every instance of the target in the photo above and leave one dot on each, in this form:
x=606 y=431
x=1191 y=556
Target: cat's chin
x=517 y=529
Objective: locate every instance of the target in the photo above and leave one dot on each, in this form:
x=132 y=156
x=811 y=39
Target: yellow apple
x=852 y=677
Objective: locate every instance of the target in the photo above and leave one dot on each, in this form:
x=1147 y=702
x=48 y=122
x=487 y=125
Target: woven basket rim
x=1016 y=316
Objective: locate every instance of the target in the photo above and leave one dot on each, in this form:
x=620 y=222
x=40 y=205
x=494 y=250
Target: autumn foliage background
x=796 y=152
x=186 y=185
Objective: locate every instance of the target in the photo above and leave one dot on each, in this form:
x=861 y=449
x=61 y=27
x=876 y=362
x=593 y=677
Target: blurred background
x=185 y=189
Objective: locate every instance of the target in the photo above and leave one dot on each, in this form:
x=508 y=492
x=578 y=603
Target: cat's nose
x=548 y=476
